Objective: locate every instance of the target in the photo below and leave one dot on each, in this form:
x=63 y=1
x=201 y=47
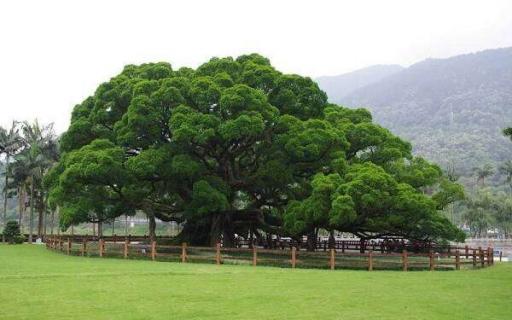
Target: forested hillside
x=452 y=110
x=341 y=85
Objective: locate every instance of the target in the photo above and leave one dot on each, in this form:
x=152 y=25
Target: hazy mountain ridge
x=341 y=85
x=450 y=109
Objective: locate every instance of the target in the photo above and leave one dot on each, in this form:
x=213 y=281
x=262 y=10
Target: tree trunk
x=45 y=220
x=5 y=193
x=228 y=240
x=251 y=237
x=100 y=229
x=311 y=241
x=152 y=228
x=270 y=244
x=215 y=230
x=31 y=220
x=332 y=240
x=228 y=235
x=40 y=222
x=20 y=201
x=53 y=221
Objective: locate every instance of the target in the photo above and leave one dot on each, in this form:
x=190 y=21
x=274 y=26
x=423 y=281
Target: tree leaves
x=235 y=145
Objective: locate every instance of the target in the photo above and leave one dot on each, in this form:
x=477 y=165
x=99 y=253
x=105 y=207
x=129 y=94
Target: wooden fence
x=455 y=259
x=386 y=246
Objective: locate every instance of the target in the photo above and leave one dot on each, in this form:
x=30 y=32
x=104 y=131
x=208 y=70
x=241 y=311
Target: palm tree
x=451 y=172
x=10 y=143
x=483 y=172
x=39 y=156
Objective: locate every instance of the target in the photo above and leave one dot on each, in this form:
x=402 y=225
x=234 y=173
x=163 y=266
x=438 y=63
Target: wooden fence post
x=474 y=258
x=68 y=249
x=125 y=251
x=466 y=249
x=100 y=246
x=432 y=265
x=184 y=252
x=254 y=256
x=332 y=260
x=370 y=260
x=482 y=257
x=501 y=254
x=405 y=262
x=294 y=256
x=457 y=259
x=153 y=250
x=342 y=246
x=217 y=253
x=489 y=256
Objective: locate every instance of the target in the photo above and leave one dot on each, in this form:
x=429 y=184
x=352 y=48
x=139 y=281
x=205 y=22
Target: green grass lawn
x=40 y=284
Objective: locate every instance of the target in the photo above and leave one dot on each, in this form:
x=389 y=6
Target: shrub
x=12 y=233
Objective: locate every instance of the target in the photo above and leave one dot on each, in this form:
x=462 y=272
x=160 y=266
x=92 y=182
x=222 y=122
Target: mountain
x=341 y=85
x=452 y=110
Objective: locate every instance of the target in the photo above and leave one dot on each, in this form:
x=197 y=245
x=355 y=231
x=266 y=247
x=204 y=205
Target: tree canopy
x=237 y=147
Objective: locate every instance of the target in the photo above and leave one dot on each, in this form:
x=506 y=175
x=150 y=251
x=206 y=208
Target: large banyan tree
x=236 y=147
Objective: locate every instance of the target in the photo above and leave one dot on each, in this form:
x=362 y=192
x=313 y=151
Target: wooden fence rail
x=333 y=259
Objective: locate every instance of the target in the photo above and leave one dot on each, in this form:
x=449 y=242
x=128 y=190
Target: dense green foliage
x=40 y=284
x=236 y=147
x=452 y=110
x=30 y=150
x=486 y=210
x=12 y=233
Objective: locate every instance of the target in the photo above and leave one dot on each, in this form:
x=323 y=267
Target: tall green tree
x=10 y=143
x=506 y=170
x=478 y=214
x=31 y=163
x=236 y=147
x=482 y=173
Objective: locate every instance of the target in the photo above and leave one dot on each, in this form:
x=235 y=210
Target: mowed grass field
x=40 y=284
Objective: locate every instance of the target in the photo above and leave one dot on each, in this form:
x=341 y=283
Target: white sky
x=53 y=54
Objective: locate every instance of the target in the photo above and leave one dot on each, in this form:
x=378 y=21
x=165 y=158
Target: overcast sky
x=53 y=54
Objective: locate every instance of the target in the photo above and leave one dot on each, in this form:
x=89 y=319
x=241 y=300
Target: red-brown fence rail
x=292 y=258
